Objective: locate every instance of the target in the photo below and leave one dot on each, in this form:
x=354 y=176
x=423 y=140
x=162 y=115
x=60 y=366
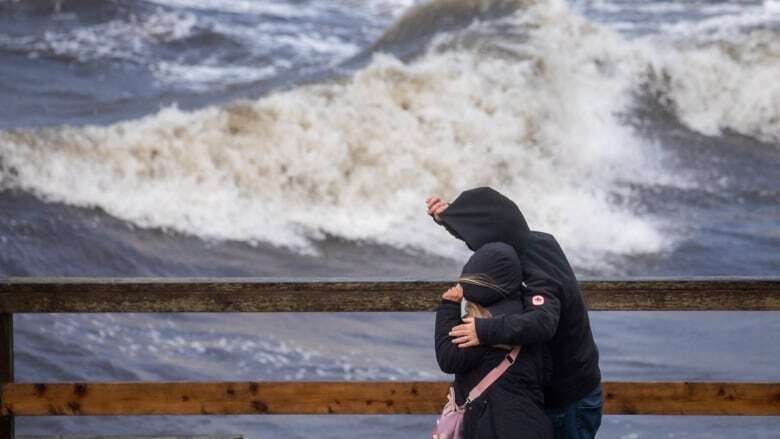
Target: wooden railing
x=247 y=295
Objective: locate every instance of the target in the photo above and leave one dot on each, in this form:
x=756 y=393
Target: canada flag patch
x=537 y=300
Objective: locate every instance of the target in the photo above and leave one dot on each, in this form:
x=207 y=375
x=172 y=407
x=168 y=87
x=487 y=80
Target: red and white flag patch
x=537 y=300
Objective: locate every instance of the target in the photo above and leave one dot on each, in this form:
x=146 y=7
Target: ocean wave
x=722 y=84
x=410 y=34
x=124 y=37
x=186 y=48
x=178 y=347
x=531 y=103
x=711 y=64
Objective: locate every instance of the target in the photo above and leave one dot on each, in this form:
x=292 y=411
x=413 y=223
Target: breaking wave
x=532 y=102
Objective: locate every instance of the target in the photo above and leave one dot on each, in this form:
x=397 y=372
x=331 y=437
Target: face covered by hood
x=493 y=278
x=483 y=215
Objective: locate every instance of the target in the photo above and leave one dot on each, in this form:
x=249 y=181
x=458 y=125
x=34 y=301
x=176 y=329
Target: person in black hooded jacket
x=513 y=406
x=555 y=313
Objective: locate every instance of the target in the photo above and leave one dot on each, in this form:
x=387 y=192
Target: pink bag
x=450 y=423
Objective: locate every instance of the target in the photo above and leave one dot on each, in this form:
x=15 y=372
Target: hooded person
x=555 y=312
x=513 y=406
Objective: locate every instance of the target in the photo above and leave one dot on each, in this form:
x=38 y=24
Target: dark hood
x=483 y=215
x=494 y=263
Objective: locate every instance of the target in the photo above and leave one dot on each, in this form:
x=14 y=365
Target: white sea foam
x=203 y=77
x=536 y=117
x=125 y=39
x=281 y=9
x=714 y=63
x=293 y=10
x=725 y=84
x=135 y=40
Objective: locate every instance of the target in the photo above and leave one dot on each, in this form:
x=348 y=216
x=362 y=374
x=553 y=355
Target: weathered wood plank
x=683 y=295
x=6 y=369
x=236 y=398
x=684 y=398
x=222 y=398
x=123 y=295
x=257 y=295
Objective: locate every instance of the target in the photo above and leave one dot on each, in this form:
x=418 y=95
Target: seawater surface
x=299 y=139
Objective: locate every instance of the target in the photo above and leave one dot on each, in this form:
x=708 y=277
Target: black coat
x=513 y=407
x=555 y=313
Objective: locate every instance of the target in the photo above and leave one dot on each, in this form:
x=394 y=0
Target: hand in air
x=436 y=206
x=454 y=294
x=465 y=335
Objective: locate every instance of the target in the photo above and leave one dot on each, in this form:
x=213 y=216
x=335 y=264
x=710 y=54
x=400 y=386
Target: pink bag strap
x=492 y=376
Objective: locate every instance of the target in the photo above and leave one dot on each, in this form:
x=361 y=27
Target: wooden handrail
x=73 y=295
x=262 y=295
x=368 y=397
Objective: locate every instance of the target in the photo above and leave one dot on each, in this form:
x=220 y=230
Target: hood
x=483 y=215
x=492 y=274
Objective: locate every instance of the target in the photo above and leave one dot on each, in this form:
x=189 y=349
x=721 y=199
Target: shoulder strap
x=493 y=375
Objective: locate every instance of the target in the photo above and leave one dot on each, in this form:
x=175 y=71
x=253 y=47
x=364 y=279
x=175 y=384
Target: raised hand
x=436 y=206
x=454 y=294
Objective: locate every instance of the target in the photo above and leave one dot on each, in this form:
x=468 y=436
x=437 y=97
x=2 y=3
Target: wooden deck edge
x=385 y=397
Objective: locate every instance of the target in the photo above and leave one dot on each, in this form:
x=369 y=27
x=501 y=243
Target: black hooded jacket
x=513 y=407
x=555 y=312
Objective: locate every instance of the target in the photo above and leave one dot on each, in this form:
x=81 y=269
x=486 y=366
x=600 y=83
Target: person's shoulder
x=543 y=238
x=541 y=235
x=545 y=251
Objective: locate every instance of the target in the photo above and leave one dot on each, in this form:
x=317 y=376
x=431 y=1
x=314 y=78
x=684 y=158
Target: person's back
x=573 y=349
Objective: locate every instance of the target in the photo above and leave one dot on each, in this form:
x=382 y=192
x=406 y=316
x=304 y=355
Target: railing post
x=6 y=368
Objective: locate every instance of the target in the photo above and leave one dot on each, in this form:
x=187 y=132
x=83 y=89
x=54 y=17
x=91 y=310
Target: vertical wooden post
x=6 y=368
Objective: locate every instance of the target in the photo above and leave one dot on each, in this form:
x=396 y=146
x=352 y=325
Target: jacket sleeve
x=536 y=324
x=450 y=357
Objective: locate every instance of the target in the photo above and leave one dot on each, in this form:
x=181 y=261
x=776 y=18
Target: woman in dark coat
x=513 y=407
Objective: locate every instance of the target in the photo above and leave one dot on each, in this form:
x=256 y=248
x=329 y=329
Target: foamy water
x=537 y=112
x=166 y=36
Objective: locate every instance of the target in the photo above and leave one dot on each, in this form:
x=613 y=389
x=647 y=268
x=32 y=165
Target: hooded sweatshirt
x=513 y=406
x=555 y=313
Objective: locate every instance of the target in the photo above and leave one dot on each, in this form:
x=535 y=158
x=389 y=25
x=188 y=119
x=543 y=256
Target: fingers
x=466 y=341
x=438 y=207
x=464 y=328
x=461 y=340
x=457 y=292
x=469 y=344
x=454 y=294
x=430 y=201
x=465 y=335
x=460 y=329
x=459 y=332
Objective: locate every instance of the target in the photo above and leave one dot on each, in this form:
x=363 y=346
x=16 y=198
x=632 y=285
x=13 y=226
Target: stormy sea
x=299 y=139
